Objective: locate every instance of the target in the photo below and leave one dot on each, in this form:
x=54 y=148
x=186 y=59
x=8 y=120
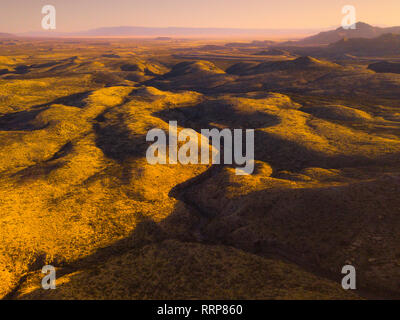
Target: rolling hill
x=301 y=63
x=386 y=44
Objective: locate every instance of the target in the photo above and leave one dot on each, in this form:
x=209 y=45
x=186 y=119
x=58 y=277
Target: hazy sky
x=75 y=15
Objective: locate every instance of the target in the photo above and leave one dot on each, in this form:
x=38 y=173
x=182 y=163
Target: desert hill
x=384 y=45
x=363 y=30
x=301 y=63
x=203 y=75
x=190 y=68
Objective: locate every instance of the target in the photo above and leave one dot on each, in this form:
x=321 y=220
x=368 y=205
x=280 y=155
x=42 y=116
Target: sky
x=78 y=15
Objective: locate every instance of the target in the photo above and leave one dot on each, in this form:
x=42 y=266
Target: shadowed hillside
x=385 y=67
x=361 y=30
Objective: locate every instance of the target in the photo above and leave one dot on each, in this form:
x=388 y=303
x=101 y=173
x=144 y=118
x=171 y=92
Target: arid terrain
x=77 y=192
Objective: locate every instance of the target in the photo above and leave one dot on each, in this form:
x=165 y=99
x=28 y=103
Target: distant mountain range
x=132 y=31
x=6 y=35
x=386 y=44
x=381 y=46
x=362 y=30
x=175 y=31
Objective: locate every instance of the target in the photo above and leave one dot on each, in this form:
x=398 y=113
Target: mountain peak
x=359 y=25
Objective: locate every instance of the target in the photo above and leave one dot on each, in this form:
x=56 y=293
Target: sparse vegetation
x=77 y=192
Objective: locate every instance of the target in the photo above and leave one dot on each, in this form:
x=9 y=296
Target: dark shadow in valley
x=21 y=121
x=117 y=142
x=75 y=100
x=283 y=154
x=207 y=114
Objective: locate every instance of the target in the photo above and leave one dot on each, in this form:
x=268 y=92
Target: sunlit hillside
x=77 y=192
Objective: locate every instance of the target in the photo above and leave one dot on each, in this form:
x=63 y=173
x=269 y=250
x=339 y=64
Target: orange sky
x=76 y=15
